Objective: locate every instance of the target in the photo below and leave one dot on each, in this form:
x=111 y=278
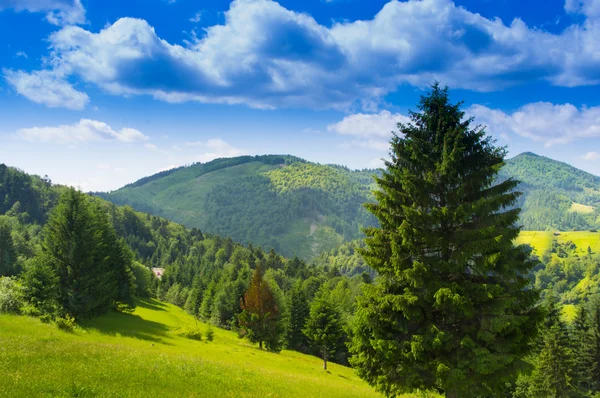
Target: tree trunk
x=324 y=358
x=451 y=394
x=260 y=344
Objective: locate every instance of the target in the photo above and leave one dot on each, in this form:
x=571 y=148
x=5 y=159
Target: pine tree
x=583 y=363
x=553 y=372
x=453 y=308
x=89 y=267
x=299 y=311
x=8 y=255
x=260 y=320
x=592 y=347
x=324 y=327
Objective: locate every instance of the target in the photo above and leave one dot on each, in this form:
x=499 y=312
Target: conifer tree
x=553 y=372
x=324 y=327
x=8 y=256
x=453 y=308
x=260 y=319
x=592 y=344
x=583 y=363
x=299 y=311
x=89 y=267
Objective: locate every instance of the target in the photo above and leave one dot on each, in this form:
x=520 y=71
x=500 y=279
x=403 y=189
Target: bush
x=11 y=296
x=210 y=333
x=46 y=318
x=66 y=323
x=143 y=280
x=192 y=334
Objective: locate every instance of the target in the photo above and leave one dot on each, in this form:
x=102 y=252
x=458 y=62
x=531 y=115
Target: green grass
x=583 y=209
x=541 y=241
x=141 y=355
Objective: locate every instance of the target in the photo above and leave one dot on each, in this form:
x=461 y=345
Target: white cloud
x=591 y=156
x=542 y=122
x=84 y=131
x=151 y=147
x=197 y=17
x=58 y=12
x=267 y=56
x=215 y=148
x=369 y=124
x=46 y=87
x=21 y=54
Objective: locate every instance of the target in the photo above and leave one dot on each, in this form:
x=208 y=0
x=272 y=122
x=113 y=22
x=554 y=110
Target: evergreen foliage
x=453 y=309
x=324 y=328
x=8 y=255
x=83 y=256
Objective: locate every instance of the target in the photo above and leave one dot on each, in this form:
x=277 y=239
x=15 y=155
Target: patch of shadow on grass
x=151 y=304
x=129 y=325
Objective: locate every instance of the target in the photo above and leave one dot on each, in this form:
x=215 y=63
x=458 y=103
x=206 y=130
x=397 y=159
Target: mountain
x=303 y=208
x=281 y=202
x=556 y=195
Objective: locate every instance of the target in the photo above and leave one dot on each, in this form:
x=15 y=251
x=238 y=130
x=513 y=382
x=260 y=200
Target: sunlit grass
x=140 y=355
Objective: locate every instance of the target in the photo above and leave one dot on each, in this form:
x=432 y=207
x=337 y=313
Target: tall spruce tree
x=553 y=375
x=260 y=320
x=8 y=255
x=299 y=311
x=453 y=308
x=592 y=344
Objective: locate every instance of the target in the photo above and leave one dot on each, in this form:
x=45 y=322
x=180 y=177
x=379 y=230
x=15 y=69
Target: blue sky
x=100 y=93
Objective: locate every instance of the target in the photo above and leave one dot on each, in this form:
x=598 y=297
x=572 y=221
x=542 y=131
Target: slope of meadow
x=141 y=355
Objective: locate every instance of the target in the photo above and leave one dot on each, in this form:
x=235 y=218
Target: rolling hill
x=303 y=208
x=141 y=354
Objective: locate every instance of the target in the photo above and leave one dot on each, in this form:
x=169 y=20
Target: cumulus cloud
x=373 y=129
x=58 y=12
x=215 y=148
x=369 y=124
x=543 y=122
x=48 y=88
x=267 y=56
x=84 y=131
x=591 y=156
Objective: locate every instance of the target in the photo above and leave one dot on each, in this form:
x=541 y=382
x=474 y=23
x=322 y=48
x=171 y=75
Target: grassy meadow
x=541 y=241
x=141 y=355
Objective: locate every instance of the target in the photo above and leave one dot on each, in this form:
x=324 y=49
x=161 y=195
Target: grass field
x=541 y=241
x=583 y=209
x=140 y=355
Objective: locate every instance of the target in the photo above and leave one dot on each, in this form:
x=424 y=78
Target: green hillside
x=557 y=196
x=141 y=355
x=302 y=208
x=281 y=202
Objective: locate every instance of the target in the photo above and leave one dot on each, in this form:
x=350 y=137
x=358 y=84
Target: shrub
x=11 y=296
x=192 y=334
x=210 y=333
x=46 y=318
x=66 y=323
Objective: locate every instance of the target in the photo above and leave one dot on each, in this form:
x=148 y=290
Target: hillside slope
x=141 y=355
x=302 y=208
x=557 y=196
x=281 y=202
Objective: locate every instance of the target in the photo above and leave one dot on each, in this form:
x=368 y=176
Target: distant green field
x=541 y=241
x=140 y=355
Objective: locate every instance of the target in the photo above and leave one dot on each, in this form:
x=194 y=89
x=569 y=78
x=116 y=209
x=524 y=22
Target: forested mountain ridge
x=273 y=201
x=556 y=195
x=303 y=208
